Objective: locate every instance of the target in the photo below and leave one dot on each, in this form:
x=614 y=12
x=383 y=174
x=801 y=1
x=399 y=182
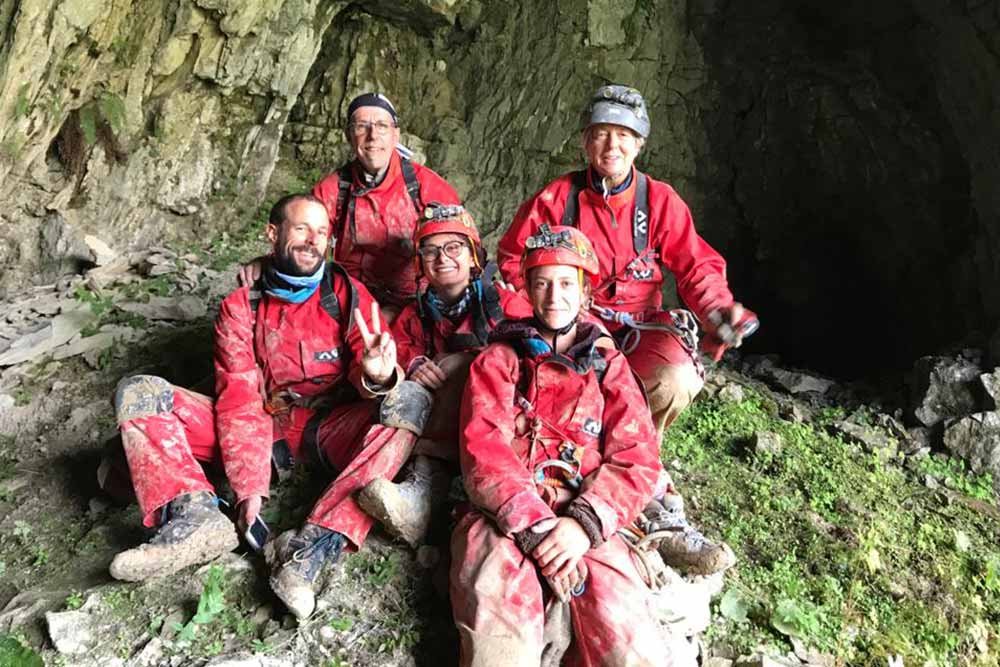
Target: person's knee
x=673 y=386
x=140 y=396
x=408 y=406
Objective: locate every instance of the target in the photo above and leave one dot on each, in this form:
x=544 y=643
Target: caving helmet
x=560 y=245
x=618 y=105
x=449 y=219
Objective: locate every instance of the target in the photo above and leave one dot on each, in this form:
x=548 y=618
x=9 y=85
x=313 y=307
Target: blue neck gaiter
x=293 y=289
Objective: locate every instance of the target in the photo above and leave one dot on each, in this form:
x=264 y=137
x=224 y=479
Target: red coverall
x=377 y=248
x=286 y=347
x=413 y=346
x=633 y=283
x=496 y=590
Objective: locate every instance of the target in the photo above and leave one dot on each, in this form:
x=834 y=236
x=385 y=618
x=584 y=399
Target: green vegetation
x=836 y=546
x=377 y=570
x=107 y=110
x=21 y=104
x=210 y=604
x=74 y=600
x=13 y=653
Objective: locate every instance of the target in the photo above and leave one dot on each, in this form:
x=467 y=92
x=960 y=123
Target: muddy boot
x=298 y=560
x=405 y=509
x=683 y=547
x=193 y=531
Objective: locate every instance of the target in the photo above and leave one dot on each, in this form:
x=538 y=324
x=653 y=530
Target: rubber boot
x=405 y=509
x=684 y=547
x=193 y=532
x=297 y=558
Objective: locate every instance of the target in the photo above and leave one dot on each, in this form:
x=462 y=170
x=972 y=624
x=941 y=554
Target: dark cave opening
x=851 y=192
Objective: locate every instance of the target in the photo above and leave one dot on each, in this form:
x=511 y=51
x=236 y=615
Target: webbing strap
x=412 y=184
x=640 y=217
x=346 y=196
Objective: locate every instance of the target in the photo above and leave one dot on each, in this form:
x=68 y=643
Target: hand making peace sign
x=379 y=360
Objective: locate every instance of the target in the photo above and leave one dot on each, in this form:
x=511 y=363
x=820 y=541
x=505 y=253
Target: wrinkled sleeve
x=623 y=483
x=356 y=345
x=243 y=428
x=411 y=340
x=700 y=270
x=496 y=479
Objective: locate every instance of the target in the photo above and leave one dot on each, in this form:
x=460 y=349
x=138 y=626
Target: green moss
x=835 y=545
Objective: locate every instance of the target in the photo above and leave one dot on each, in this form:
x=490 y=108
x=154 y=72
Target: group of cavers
x=544 y=380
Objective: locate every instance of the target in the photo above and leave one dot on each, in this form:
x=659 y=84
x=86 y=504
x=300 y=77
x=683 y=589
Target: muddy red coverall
x=632 y=282
x=284 y=348
x=374 y=227
x=421 y=335
x=497 y=592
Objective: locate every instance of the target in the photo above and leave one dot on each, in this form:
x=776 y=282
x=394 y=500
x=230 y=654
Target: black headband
x=372 y=100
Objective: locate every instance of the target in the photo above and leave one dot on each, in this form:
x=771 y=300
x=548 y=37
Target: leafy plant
x=74 y=600
x=99 y=303
x=341 y=624
x=733 y=606
x=210 y=604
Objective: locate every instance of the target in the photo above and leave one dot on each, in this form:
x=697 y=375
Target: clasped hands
x=560 y=554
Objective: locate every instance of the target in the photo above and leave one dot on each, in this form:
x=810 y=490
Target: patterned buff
x=456 y=310
x=293 y=289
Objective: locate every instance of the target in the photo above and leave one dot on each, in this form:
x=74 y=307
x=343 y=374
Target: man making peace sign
x=298 y=356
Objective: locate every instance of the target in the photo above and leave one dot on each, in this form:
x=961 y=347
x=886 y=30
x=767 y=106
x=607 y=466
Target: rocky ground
x=859 y=537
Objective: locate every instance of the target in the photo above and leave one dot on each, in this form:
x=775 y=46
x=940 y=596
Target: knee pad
x=673 y=385
x=142 y=396
x=407 y=406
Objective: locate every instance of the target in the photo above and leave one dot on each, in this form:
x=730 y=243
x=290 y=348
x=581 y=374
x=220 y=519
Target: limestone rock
x=716 y=661
x=252 y=661
x=810 y=656
x=991 y=385
x=764 y=661
x=872 y=439
x=767 y=442
x=72 y=632
x=943 y=387
x=682 y=605
x=101 y=252
x=731 y=393
x=180 y=308
x=976 y=440
x=918 y=438
x=794 y=382
x=61 y=330
x=91 y=346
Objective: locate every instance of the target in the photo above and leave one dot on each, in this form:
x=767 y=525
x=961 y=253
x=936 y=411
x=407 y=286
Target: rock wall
x=842 y=157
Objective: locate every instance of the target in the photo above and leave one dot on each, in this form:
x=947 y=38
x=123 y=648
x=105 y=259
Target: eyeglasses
x=360 y=128
x=451 y=249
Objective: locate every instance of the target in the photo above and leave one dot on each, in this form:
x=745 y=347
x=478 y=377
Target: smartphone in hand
x=257 y=533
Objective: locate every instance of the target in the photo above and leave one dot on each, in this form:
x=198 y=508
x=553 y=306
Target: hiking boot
x=405 y=509
x=192 y=531
x=683 y=546
x=298 y=559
